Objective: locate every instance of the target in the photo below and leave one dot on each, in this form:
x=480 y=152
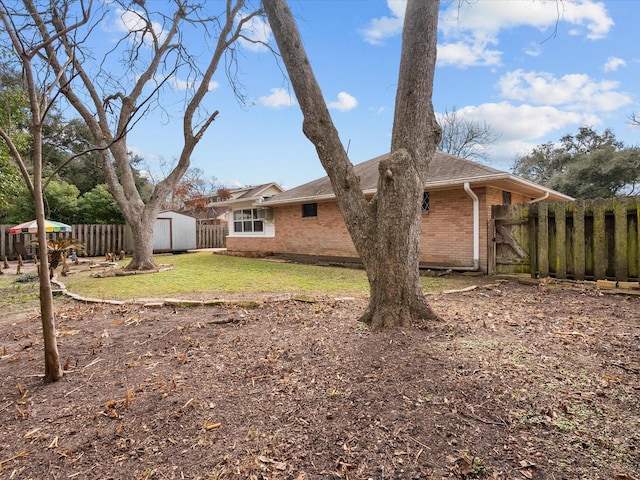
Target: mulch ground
x=516 y=382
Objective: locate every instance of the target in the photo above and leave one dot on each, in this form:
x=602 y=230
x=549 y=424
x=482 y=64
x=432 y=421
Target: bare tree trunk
x=142 y=258
x=385 y=231
x=52 y=368
x=391 y=255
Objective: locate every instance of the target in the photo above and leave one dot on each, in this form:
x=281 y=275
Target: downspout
x=540 y=199
x=476 y=226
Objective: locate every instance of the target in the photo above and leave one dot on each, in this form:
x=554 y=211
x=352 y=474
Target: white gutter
x=476 y=226
x=539 y=199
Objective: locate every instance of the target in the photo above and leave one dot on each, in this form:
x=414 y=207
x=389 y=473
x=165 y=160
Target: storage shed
x=172 y=232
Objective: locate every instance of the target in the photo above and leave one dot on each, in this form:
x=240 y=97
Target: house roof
x=238 y=195
x=445 y=172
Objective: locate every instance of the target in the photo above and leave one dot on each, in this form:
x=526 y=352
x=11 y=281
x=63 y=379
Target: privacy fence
x=581 y=240
x=99 y=239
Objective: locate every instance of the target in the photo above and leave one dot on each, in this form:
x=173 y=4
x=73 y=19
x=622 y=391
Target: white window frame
x=249 y=220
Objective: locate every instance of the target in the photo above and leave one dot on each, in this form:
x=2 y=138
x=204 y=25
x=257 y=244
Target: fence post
x=599 y=248
x=560 y=240
x=579 y=251
x=620 y=236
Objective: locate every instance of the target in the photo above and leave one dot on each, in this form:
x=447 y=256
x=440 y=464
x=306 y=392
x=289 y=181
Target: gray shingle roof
x=444 y=168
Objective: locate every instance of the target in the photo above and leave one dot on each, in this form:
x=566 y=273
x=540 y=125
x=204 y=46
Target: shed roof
x=445 y=171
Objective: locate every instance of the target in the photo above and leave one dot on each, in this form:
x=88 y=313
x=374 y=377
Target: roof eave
x=235 y=201
x=535 y=189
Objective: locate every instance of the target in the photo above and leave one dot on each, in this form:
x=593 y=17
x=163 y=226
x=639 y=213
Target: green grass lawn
x=207 y=275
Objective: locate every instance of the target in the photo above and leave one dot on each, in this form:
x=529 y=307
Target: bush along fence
x=98 y=240
x=581 y=240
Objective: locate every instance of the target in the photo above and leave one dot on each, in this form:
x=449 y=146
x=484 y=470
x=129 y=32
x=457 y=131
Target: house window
x=425 y=201
x=309 y=209
x=506 y=198
x=249 y=220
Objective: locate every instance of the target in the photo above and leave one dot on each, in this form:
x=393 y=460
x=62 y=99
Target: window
x=506 y=198
x=425 y=201
x=309 y=209
x=249 y=220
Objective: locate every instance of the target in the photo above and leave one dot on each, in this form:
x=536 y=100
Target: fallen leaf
x=64 y=333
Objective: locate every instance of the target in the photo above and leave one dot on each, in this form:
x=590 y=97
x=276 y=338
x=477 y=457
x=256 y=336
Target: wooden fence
x=101 y=239
x=211 y=236
x=585 y=239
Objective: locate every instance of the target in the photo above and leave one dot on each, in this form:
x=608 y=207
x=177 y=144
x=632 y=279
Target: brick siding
x=446 y=235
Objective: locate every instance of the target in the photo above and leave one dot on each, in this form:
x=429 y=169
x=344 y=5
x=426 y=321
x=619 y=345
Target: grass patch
x=18 y=295
x=203 y=274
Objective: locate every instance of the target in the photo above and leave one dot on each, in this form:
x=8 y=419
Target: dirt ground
x=516 y=382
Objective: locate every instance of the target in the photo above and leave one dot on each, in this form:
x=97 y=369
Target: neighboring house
x=456 y=212
x=237 y=206
x=212 y=209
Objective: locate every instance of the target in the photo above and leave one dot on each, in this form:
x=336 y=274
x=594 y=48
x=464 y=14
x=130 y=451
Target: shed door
x=162 y=235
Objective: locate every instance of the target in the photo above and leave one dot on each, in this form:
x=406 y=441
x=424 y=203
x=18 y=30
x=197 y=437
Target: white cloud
x=279 y=98
x=613 y=63
x=130 y=21
x=577 y=92
x=344 y=103
x=533 y=50
x=477 y=26
x=589 y=14
x=178 y=84
x=471 y=29
x=487 y=19
x=257 y=33
x=522 y=127
x=467 y=55
x=379 y=29
x=522 y=122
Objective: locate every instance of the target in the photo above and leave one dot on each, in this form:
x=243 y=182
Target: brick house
x=306 y=222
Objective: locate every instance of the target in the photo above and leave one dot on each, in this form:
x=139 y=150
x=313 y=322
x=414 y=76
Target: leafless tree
x=133 y=78
x=463 y=137
x=634 y=119
x=40 y=85
x=386 y=229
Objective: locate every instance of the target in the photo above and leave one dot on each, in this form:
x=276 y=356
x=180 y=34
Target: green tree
x=98 y=206
x=60 y=204
x=14 y=104
x=585 y=165
x=10 y=182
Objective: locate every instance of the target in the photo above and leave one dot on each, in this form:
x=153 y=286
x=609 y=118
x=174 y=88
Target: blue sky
x=534 y=70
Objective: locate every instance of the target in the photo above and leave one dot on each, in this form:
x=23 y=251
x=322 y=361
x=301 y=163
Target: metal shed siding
x=174 y=232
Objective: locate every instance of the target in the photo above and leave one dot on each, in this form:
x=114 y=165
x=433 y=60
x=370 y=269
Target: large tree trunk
x=385 y=231
x=142 y=256
x=391 y=255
